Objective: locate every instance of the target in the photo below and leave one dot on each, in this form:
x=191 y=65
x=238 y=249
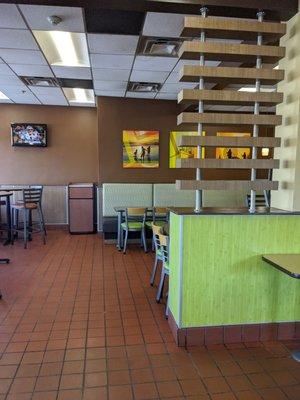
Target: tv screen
x=29 y=135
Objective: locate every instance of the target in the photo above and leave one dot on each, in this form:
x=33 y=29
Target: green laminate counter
x=217 y=273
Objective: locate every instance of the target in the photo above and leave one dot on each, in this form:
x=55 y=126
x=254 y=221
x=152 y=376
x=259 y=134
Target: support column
x=199 y=197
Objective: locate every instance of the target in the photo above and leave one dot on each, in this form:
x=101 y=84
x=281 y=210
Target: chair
x=156 y=229
x=159 y=219
x=261 y=200
x=135 y=219
x=165 y=271
x=31 y=202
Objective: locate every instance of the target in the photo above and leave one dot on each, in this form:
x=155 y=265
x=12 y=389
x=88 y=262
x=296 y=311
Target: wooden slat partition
x=229 y=96
x=222 y=141
x=228 y=163
x=222 y=51
x=228 y=119
x=221 y=75
x=232 y=28
x=258 y=185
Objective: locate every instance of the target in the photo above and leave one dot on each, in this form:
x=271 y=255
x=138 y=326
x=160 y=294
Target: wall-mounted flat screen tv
x=29 y=135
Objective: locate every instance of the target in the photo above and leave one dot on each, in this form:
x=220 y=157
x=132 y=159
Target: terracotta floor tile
x=73 y=367
x=118 y=377
x=145 y=391
x=71 y=381
x=22 y=385
x=192 y=387
x=261 y=380
x=273 y=394
x=50 y=395
x=99 y=393
x=4 y=385
x=52 y=368
x=95 y=379
x=223 y=396
x=169 y=389
x=74 y=394
x=216 y=385
x=239 y=383
x=8 y=371
x=248 y=395
x=123 y=392
x=47 y=383
x=28 y=370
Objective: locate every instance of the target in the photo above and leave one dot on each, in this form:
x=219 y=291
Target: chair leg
x=154 y=269
x=153 y=246
x=167 y=307
x=125 y=241
x=12 y=235
x=42 y=228
x=161 y=286
x=43 y=220
x=144 y=240
x=25 y=227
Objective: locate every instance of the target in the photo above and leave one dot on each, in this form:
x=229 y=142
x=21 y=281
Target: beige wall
x=72 y=152
x=288 y=195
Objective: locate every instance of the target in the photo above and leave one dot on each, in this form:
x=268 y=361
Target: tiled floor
x=79 y=321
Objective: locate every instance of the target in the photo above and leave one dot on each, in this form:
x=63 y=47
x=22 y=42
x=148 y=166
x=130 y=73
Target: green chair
x=157 y=230
x=159 y=219
x=135 y=219
x=165 y=271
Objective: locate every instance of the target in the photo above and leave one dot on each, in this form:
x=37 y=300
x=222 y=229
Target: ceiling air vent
x=143 y=87
x=160 y=47
x=39 y=81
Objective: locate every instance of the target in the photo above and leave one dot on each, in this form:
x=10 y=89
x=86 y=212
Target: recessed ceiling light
x=79 y=95
x=3 y=96
x=144 y=87
x=67 y=49
x=160 y=47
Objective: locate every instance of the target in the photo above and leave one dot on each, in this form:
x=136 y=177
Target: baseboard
x=264 y=332
x=57 y=226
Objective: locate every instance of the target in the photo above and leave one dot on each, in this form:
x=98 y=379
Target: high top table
x=288 y=264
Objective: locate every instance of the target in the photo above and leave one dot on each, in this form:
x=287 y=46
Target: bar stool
x=31 y=202
x=135 y=219
x=165 y=271
x=160 y=217
x=156 y=229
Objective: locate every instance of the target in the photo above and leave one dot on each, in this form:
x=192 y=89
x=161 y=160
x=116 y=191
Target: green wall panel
x=174 y=285
x=225 y=281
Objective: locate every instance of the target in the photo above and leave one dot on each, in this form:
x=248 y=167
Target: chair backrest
x=164 y=246
x=156 y=230
x=160 y=213
x=32 y=195
x=136 y=214
x=260 y=200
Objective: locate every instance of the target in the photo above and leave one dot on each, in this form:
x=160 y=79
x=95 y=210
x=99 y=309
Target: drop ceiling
x=113 y=53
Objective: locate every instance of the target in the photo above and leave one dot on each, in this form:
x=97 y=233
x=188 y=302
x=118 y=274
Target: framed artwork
x=234 y=152
x=182 y=152
x=140 y=149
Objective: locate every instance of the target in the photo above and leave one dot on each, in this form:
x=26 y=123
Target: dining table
x=288 y=264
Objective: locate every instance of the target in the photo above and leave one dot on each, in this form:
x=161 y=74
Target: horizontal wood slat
x=229 y=119
x=232 y=28
x=222 y=141
x=229 y=164
x=258 y=185
x=220 y=51
x=232 y=96
x=222 y=75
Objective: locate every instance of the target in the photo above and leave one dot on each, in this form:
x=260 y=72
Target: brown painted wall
x=118 y=114
x=72 y=152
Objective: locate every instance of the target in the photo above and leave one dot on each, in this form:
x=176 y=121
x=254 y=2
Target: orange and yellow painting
x=140 y=149
x=233 y=152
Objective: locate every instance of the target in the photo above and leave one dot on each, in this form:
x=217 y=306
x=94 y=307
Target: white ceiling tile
x=72 y=72
x=82 y=105
x=166 y=96
x=17 y=39
x=36 y=17
x=9 y=80
x=46 y=91
x=111 y=61
x=24 y=98
x=28 y=57
x=112 y=44
x=110 y=93
x=6 y=101
x=181 y=63
x=10 y=17
x=148 y=76
x=14 y=90
x=111 y=74
x=163 y=24
x=32 y=70
x=110 y=85
x=5 y=70
x=141 y=95
x=53 y=100
x=176 y=87
x=144 y=63
x=173 y=78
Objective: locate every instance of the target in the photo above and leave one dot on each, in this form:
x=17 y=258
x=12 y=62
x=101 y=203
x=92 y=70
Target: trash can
x=81 y=200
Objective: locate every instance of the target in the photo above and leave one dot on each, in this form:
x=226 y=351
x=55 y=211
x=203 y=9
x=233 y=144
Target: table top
x=5 y=194
x=122 y=209
x=230 y=211
x=287 y=263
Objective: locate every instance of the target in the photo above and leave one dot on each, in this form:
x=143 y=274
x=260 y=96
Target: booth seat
x=156 y=195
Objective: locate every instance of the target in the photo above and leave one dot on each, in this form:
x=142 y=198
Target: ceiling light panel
x=111 y=61
x=72 y=72
x=28 y=57
x=66 y=49
x=80 y=96
x=144 y=63
x=111 y=74
x=17 y=39
x=36 y=17
x=10 y=17
x=112 y=44
x=110 y=85
x=163 y=24
x=32 y=70
x=3 y=96
x=110 y=93
x=148 y=76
